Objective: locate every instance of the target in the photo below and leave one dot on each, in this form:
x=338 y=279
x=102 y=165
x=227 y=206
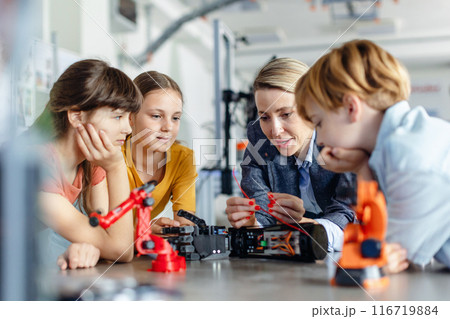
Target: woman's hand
x=241 y=211
x=396 y=258
x=341 y=160
x=79 y=255
x=159 y=223
x=288 y=208
x=97 y=147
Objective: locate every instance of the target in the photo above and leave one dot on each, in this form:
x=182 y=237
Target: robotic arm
x=146 y=243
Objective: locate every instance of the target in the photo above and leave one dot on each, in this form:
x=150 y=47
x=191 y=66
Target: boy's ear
x=75 y=117
x=352 y=105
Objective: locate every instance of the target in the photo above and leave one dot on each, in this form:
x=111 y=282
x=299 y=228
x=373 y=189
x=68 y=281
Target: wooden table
x=247 y=279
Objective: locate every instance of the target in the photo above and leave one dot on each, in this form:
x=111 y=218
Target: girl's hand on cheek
x=148 y=140
x=98 y=148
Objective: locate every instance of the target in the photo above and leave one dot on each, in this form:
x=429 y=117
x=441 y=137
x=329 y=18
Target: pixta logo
x=208 y=152
x=211 y=151
x=145 y=143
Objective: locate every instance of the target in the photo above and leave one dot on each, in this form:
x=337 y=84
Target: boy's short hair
x=360 y=67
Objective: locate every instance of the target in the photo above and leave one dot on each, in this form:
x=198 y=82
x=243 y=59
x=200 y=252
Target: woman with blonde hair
x=281 y=161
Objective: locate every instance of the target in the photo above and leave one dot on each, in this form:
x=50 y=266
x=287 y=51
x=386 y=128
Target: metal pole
x=174 y=27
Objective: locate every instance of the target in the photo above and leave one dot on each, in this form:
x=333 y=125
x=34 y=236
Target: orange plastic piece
x=377 y=283
x=241 y=146
x=372 y=214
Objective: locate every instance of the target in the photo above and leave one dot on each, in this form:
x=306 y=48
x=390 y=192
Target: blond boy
x=356 y=96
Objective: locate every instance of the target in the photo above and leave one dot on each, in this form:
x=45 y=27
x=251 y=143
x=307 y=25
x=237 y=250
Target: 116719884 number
x=404 y=310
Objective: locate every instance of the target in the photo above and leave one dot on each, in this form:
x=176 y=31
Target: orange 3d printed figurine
x=363 y=252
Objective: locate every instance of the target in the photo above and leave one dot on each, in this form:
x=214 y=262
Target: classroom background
x=208 y=46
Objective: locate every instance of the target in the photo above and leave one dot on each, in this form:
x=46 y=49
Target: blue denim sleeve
x=255 y=186
x=255 y=181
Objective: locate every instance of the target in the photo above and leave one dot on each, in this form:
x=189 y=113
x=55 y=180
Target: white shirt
x=411 y=161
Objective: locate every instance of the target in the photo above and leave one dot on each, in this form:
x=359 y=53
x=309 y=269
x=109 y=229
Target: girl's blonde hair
x=281 y=73
x=153 y=80
x=360 y=67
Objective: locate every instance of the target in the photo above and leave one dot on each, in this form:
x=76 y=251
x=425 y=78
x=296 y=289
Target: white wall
x=430 y=86
x=84 y=28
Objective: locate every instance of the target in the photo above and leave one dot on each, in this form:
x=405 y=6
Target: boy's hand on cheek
x=341 y=160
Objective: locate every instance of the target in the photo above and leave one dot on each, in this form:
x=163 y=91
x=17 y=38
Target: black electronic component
x=215 y=242
x=191 y=217
x=280 y=242
x=200 y=241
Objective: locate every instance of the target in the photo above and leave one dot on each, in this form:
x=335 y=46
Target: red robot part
x=146 y=243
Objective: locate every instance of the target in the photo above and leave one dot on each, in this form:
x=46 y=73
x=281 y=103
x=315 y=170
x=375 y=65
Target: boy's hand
x=79 y=255
x=396 y=258
x=341 y=160
x=241 y=212
x=288 y=208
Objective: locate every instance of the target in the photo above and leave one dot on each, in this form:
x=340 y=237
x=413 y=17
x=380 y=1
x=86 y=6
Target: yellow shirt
x=178 y=183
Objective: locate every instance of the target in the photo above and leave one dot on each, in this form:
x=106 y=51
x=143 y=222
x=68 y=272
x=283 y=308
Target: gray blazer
x=264 y=170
